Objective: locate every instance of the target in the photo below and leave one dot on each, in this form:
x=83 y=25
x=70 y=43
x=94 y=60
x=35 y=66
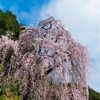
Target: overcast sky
x=80 y=17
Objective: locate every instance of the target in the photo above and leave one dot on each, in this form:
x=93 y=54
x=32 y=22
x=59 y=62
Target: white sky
x=82 y=19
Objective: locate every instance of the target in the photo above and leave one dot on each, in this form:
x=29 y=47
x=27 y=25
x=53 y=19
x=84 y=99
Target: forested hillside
x=93 y=95
x=9 y=25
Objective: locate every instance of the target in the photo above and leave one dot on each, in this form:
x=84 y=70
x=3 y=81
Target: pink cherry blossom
x=51 y=52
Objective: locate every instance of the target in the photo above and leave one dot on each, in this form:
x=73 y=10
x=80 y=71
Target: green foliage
x=14 y=87
x=93 y=95
x=69 y=85
x=9 y=23
x=6 y=94
x=11 y=97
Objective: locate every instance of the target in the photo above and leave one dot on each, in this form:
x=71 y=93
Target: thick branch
x=48 y=71
x=45 y=25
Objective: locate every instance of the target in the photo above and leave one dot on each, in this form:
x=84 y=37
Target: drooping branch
x=46 y=24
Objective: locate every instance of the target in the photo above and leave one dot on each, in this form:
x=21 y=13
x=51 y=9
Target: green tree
x=9 y=23
x=93 y=95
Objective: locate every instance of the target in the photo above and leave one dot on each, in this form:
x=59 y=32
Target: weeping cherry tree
x=45 y=51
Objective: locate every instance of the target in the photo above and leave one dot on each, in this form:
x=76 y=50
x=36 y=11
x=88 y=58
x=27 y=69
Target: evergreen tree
x=9 y=24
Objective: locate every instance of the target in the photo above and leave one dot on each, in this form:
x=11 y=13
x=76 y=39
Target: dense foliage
x=9 y=25
x=93 y=95
x=29 y=62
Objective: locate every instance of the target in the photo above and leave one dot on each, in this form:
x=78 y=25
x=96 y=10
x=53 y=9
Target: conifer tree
x=9 y=25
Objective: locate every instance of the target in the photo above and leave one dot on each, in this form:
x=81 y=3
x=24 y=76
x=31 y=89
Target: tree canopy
x=9 y=25
x=52 y=51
